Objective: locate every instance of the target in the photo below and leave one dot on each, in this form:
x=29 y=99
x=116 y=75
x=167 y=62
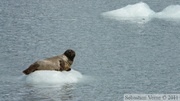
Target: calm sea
x=115 y=57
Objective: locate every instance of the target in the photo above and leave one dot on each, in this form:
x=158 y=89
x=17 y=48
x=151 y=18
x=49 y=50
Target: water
x=114 y=57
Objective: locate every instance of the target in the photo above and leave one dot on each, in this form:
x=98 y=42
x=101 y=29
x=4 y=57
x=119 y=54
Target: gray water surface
x=116 y=57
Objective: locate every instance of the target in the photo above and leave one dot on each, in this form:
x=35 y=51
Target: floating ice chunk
x=139 y=11
x=170 y=12
x=53 y=77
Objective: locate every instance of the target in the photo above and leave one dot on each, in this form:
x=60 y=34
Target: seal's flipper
x=68 y=69
x=31 y=68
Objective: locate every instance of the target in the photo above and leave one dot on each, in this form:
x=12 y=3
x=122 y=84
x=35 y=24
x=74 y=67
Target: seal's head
x=70 y=54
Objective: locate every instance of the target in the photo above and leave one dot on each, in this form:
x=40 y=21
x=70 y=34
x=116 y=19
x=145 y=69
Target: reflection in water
x=67 y=92
x=61 y=93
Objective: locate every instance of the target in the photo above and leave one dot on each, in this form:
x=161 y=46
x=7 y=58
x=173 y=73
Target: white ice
x=141 y=12
x=170 y=12
x=43 y=77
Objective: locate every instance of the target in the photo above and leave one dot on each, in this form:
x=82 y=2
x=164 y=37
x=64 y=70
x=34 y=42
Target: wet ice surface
x=114 y=57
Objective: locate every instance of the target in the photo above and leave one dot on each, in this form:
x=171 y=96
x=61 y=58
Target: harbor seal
x=61 y=62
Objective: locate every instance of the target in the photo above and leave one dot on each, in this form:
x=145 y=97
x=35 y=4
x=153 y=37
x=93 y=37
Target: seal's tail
x=31 y=68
